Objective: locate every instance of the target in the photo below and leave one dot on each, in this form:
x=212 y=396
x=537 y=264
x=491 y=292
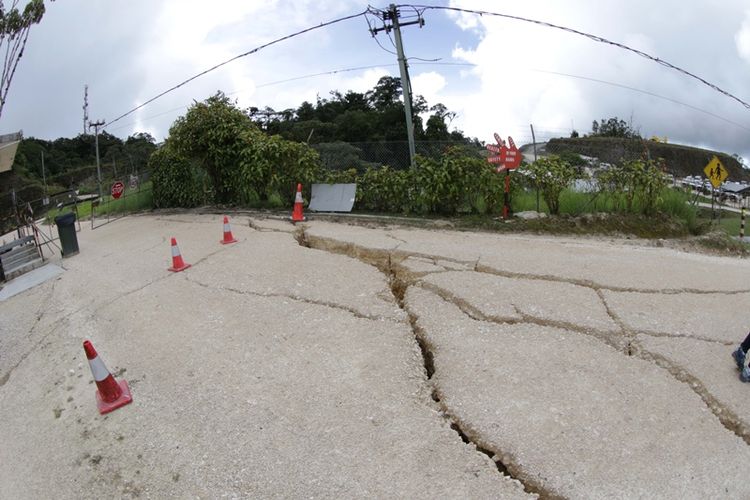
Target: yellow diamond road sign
x=716 y=172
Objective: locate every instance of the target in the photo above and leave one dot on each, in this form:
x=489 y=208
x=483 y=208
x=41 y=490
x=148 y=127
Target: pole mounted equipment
x=391 y=21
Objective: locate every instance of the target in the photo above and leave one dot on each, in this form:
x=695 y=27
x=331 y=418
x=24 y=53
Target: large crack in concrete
x=400 y=278
x=598 y=286
x=727 y=417
x=354 y=312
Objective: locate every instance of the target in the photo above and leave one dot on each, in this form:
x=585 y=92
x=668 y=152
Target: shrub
x=216 y=145
x=638 y=183
x=178 y=182
x=455 y=183
x=551 y=175
x=382 y=189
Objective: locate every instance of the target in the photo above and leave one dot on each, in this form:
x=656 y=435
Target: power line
x=647 y=93
x=595 y=38
x=613 y=84
x=445 y=63
x=277 y=82
x=249 y=52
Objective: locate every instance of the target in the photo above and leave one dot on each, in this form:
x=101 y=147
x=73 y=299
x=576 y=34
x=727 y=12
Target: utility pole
x=392 y=15
x=85 y=108
x=44 y=176
x=96 y=126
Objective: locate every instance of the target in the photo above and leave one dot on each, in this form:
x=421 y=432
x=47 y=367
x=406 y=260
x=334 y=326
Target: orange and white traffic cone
x=297 y=215
x=177 y=263
x=228 y=238
x=110 y=394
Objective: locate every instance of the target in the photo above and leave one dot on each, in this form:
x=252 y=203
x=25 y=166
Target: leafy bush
x=551 y=175
x=455 y=183
x=178 y=182
x=217 y=146
x=637 y=183
x=382 y=189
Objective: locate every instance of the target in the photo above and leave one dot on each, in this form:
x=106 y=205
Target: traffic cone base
x=178 y=269
x=110 y=394
x=125 y=398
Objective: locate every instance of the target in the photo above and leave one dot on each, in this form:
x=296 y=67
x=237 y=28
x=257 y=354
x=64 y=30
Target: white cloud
x=137 y=49
x=428 y=85
x=512 y=95
x=742 y=38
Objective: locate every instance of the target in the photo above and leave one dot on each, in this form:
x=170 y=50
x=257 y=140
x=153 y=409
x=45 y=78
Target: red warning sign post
x=507 y=157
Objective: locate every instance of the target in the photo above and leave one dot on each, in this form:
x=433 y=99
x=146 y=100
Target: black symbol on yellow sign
x=716 y=172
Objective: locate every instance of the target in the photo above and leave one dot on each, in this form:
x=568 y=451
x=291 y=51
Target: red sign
x=117 y=189
x=508 y=156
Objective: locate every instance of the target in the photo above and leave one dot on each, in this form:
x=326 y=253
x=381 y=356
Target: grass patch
x=134 y=202
x=142 y=199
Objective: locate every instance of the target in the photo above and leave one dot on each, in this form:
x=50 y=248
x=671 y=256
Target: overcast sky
x=129 y=51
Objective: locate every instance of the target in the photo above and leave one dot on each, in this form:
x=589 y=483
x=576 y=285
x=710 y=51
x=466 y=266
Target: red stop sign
x=117 y=189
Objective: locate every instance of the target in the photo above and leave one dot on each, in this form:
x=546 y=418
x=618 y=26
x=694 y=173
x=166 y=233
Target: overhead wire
x=419 y=11
x=268 y=84
x=448 y=63
x=244 y=54
x=371 y=10
x=590 y=36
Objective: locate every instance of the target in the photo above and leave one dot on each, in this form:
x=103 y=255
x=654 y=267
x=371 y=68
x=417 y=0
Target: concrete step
x=19 y=256
x=23 y=268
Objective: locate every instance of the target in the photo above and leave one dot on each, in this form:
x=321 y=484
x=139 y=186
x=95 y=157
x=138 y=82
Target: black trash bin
x=66 y=228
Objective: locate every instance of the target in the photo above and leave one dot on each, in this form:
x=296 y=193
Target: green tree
x=632 y=180
x=613 y=127
x=213 y=134
x=217 y=149
x=15 y=26
x=551 y=175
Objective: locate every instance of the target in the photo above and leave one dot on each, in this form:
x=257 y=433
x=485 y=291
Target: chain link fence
x=122 y=197
x=394 y=154
x=42 y=203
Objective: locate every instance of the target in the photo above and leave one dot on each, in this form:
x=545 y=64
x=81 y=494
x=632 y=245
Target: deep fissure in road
x=399 y=280
x=625 y=342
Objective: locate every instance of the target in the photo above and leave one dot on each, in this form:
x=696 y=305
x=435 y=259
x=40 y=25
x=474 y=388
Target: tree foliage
x=613 y=127
x=374 y=116
x=217 y=146
x=15 y=25
x=551 y=175
x=64 y=155
x=632 y=180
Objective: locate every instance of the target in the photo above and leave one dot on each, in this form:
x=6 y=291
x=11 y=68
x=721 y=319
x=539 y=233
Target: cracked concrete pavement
x=341 y=360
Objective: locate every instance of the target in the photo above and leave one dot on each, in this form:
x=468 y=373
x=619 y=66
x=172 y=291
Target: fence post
x=742 y=225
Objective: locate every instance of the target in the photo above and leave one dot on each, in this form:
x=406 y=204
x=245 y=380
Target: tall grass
x=134 y=202
x=673 y=202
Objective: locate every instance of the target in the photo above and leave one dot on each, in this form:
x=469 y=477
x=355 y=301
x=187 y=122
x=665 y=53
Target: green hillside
x=680 y=160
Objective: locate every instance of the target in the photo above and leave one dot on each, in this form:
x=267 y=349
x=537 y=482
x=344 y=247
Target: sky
x=498 y=75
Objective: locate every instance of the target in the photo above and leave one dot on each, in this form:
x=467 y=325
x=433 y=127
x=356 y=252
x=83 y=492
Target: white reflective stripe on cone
x=298 y=198
x=98 y=369
x=226 y=227
x=175 y=251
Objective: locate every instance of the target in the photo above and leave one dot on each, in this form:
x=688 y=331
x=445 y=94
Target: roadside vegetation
x=220 y=155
